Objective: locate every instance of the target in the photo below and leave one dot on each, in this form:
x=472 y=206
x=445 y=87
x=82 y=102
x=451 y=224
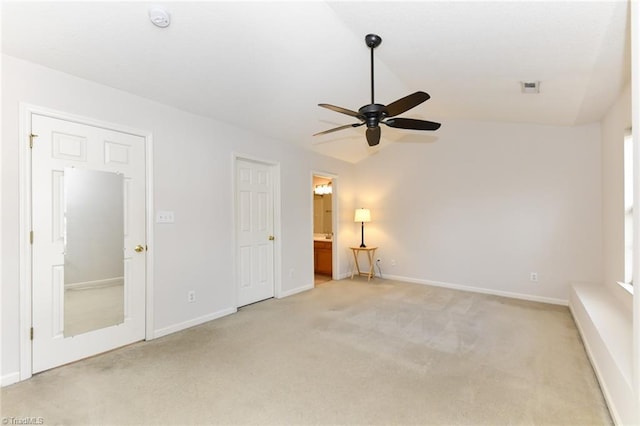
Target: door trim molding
x=25 y=258
x=335 y=223
x=277 y=228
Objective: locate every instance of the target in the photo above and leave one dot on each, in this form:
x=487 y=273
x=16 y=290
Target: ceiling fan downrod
x=373 y=41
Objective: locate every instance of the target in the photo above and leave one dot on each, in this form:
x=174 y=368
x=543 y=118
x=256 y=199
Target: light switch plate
x=164 y=216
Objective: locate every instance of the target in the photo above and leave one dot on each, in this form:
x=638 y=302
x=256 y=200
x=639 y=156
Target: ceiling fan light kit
x=373 y=114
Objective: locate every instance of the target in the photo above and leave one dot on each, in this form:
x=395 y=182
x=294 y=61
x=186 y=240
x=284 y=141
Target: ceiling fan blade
x=406 y=103
x=373 y=135
x=346 y=126
x=410 y=123
x=341 y=110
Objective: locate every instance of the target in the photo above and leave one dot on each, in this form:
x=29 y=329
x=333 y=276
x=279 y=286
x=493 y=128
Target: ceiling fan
x=374 y=114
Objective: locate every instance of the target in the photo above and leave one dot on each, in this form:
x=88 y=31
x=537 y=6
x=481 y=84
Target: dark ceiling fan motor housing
x=373 y=114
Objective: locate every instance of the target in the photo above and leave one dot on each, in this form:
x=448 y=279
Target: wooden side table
x=371 y=252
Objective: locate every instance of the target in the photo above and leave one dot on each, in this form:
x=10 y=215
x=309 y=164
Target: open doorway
x=323 y=228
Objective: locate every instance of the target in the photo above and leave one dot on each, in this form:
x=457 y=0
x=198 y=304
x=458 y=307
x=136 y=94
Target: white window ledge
x=626 y=286
x=606 y=327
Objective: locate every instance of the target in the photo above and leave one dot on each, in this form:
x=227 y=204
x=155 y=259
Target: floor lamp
x=362 y=216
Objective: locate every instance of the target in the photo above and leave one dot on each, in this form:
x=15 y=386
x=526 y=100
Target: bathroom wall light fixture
x=323 y=189
x=362 y=216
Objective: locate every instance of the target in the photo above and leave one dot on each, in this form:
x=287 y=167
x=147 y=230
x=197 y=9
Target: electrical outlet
x=533 y=277
x=393 y=262
x=292 y=272
x=191 y=296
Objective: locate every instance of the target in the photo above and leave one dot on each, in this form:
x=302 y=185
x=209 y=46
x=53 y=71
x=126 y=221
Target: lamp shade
x=362 y=215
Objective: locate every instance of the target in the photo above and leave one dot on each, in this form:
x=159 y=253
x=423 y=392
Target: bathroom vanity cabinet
x=322 y=257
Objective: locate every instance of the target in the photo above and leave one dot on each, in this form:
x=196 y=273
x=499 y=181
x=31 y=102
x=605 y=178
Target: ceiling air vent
x=530 y=86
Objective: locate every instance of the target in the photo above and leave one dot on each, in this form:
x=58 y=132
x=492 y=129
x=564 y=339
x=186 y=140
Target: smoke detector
x=159 y=17
x=530 y=86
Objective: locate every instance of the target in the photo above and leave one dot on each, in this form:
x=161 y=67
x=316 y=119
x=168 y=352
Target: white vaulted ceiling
x=266 y=65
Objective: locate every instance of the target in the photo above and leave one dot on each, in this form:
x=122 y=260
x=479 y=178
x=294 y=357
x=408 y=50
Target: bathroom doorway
x=323 y=228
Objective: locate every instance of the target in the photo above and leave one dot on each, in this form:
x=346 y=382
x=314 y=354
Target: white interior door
x=255 y=239
x=74 y=320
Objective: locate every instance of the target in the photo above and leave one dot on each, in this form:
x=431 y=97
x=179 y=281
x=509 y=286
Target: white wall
x=607 y=315
x=603 y=312
x=614 y=124
x=192 y=177
x=481 y=205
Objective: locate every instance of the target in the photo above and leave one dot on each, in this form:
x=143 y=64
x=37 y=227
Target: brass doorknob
x=271 y=238
x=139 y=248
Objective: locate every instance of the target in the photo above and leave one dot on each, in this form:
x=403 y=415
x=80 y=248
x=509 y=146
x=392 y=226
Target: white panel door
x=61 y=145
x=254 y=218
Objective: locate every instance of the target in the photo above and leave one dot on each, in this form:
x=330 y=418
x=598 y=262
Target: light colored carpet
x=347 y=352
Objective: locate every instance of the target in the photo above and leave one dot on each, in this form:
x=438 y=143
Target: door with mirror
x=88 y=221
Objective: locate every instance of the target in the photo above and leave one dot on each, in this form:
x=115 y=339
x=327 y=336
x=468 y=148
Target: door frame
x=277 y=216
x=25 y=257
x=335 y=224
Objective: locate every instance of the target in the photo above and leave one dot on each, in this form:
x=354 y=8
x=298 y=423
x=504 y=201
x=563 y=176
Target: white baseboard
x=84 y=285
x=472 y=289
x=193 y=322
x=344 y=275
x=295 y=291
x=9 y=379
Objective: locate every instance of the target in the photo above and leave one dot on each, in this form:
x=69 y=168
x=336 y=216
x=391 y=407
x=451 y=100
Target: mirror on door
x=93 y=250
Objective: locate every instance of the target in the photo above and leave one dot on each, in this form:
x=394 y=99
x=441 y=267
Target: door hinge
x=31 y=237
x=31 y=333
x=31 y=136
